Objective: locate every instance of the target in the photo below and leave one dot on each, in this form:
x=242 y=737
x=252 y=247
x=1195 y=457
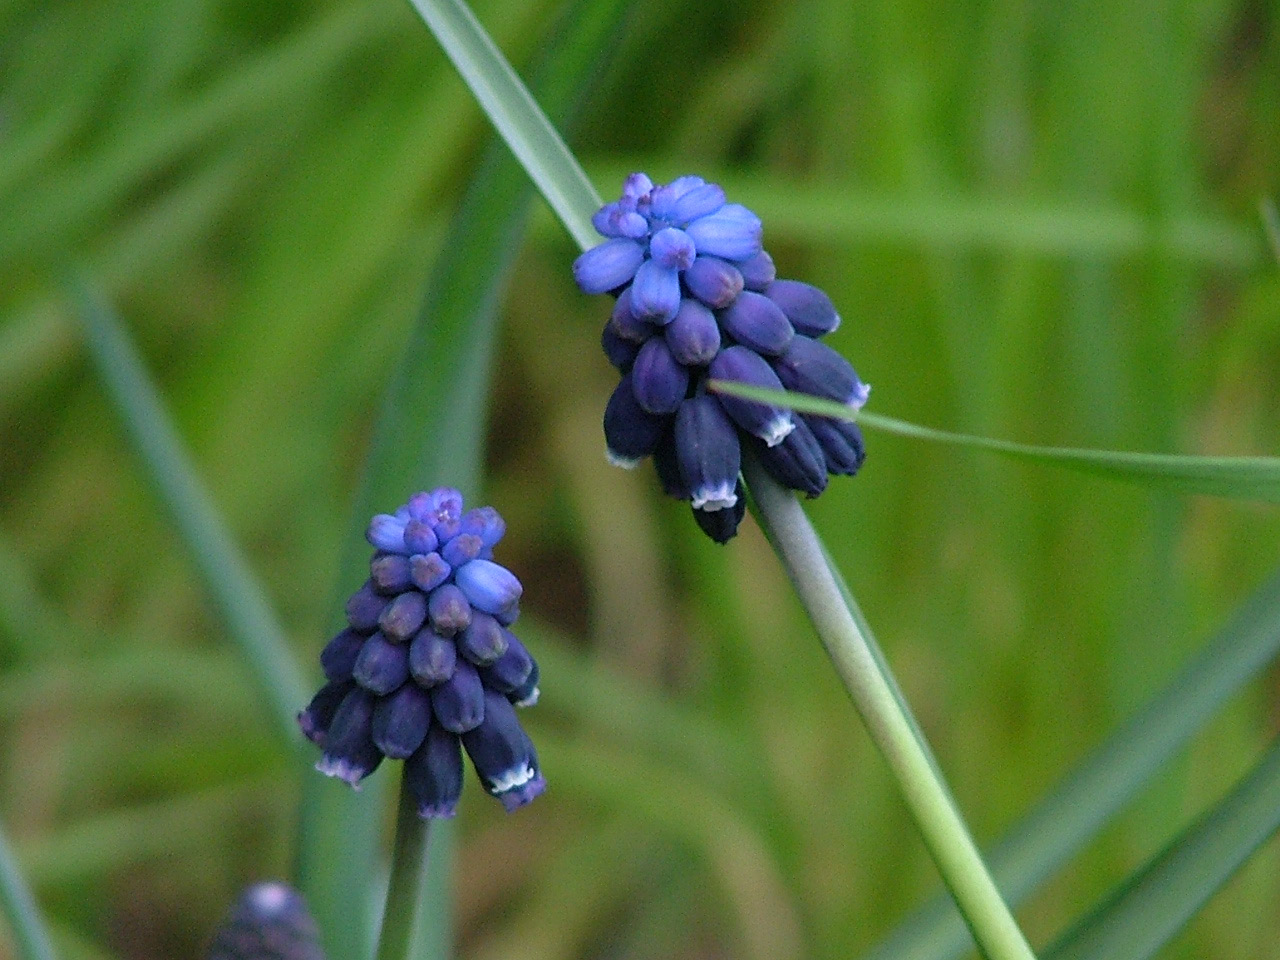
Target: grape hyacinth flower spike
x=427 y=667
x=697 y=299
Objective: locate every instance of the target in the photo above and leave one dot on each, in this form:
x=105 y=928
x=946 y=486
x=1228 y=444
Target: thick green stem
x=408 y=878
x=927 y=797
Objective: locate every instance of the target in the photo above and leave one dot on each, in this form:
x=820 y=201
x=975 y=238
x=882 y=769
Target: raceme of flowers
x=427 y=666
x=698 y=299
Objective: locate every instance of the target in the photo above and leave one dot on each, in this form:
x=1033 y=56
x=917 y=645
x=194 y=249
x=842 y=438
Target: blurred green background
x=1039 y=221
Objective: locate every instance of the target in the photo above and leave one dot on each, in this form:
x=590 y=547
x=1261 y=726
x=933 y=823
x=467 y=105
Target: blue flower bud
x=672 y=249
x=626 y=324
x=722 y=525
x=508 y=615
x=662 y=199
x=713 y=281
x=434 y=774
x=448 y=609
x=509 y=672
x=386 y=532
x=655 y=292
x=458 y=703
x=812 y=367
x=667 y=464
x=445 y=512
x=630 y=433
x=798 y=462
x=621 y=353
x=756 y=322
x=708 y=452
x=616 y=220
x=269 y=921
x=757 y=272
x=400 y=721
x=428 y=571
x=733 y=232
x=526 y=695
x=419 y=537
x=431 y=657
x=636 y=185
x=740 y=365
x=364 y=607
x=462 y=549
x=484 y=640
x=810 y=310
x=485 y=523
x=693 y=336
x=403 y=616
x=389 y=573
x=487 y=585
x=608 y=266
x=659 y=381
x=699 y=201
x=316 y=719
x=338 y=658
x=841 y=443
x=349 y=751
x=382 y=666
x=503 y=755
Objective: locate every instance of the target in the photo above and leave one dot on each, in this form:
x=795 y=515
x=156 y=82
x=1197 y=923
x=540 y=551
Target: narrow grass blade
x=1271 y=222
x=1154 y=904
x=1242 y=478
x=236 y=593
x=1086 y=800
x=29 y=933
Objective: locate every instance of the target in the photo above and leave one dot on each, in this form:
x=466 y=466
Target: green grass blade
x=32 y=939
x=235 y=591
x=1242 y=478
x=1154 y=904
x=1086 y=800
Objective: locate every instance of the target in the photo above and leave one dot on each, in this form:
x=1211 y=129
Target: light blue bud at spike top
x=425 y=649
x=269 y=921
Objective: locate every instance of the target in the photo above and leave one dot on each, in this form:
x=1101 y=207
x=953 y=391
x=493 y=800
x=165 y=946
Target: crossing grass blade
x=28 y=926
x=1241 y=478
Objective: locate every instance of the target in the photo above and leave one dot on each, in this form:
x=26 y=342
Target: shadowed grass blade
x=29 y=933
x=1242 y=478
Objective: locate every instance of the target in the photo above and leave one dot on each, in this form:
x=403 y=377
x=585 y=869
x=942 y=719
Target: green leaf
x=28 y=926
x=1156 y=901
x=1242 y=478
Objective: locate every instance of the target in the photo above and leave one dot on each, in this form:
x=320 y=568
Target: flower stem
x=408 y=875
x=927 y=797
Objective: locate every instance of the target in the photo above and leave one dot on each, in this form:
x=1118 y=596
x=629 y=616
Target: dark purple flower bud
x=510 y=671
x=487 y=585
x=503 y=755
x=400 y=721
x=349 y=751
x=740 y=365
x=386 y=532
x=659 y=381
x=484 y=640
x=722 y=525
x=485 y=523
x=508 y=615
x=608 y=266
x=655 y=292
x=526 y=695
x=667 y=464
x=713 y=281
x=812 y=367
x=431 y=657
x=461 y=549
x=382 y=666
x=434 y=774
x=699 y=201
x=270 y=921
x=419 y=537
x=338 y=658
x=445 y=512
x=671 y=248
x=316 y=719
x=428 y=571
x=448 y=609
x=708 y=452
x=403 y=616
x=755 y=321
x=693 y=336
x=389 y=573
x=757 y=272
x=810 y=310
x=841 y=442
x=626 y=324
x=458 y=703
x=629 y=432
x=798 y=462
x=364 y=607
x=621 y=353
x=732 y=232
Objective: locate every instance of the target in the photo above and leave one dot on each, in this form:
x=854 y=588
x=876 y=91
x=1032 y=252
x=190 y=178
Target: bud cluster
x=427 y=665
x=698 y=299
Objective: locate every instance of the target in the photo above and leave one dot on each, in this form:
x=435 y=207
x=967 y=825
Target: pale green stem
x=928 y=799
x=408 y=879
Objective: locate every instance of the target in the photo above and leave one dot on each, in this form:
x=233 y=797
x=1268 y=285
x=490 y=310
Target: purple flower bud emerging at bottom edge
x=722 y=525
x=434 y=774
x=349 y=751
x=503 y=755
x=269 y=921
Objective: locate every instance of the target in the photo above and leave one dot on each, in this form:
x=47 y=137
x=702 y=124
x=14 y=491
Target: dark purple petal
x=798 y=462
x=740 y=365
x=722 y=525
x=629 y=432
x=757 y=272
x=389 y=573
x=671 y=248
x=382 y=666
x=403 y=616
x=608 y=266
x=708 y=451
x=386 y=532
x=448 y=609
x=667 y=465
x=487 y=585
x=484 y=640
x=508 y=615
x=755 y=321
x=428 y=571
x=659 y=381
x=700 y=201
x=841 y=443
x=693 y=336
x=364 y=607
x=503 y=754
x=431 y=657
x=508 y=672
x=626 y=324
x=713 y=281
x=621 y=353
x=434 y=774
x=458 y=703
x=733 y=232
x=349 y=751
x=655 y=293
x=810 y=311
x=462 y=549
x=338 y=658
x=316 y=719
x=400 y=721
x=812 y=367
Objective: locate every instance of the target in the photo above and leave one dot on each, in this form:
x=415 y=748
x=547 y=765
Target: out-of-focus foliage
x=1039 y=223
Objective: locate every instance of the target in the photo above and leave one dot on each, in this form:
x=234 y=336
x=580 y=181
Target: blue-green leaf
x=28 y=926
